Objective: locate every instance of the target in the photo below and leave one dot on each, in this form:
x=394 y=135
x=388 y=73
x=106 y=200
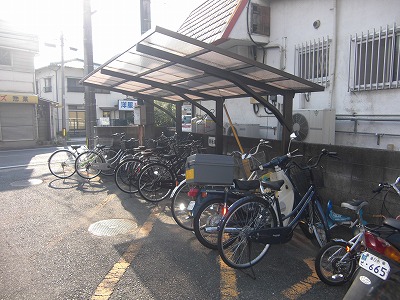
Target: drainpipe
x=334 y=52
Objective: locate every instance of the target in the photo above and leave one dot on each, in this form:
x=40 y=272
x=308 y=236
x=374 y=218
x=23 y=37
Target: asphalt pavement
x=80 y=239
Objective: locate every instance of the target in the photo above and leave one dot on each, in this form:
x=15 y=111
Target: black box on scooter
x=210 y=169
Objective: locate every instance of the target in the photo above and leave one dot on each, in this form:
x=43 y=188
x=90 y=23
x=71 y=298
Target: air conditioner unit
x=315 y=125
x=244 y=130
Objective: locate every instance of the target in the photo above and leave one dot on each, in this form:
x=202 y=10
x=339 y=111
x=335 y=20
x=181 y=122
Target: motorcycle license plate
x=374 y=265
x=191 y=205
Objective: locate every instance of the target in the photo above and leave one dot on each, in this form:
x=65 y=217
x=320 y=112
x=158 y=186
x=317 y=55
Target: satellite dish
x=300 y=126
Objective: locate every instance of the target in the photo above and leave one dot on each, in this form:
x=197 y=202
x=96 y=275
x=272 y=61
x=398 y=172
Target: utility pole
x=90 y=100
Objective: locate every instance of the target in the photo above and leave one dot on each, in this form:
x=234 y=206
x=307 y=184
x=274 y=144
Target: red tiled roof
x=213 y=21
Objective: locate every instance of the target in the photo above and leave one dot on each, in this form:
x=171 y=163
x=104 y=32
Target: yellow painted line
x=303 y=286
x=110 y=281
x=228 y=282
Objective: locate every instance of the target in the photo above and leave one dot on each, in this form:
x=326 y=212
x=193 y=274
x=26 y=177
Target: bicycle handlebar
x=277 y=161
x=383 y=185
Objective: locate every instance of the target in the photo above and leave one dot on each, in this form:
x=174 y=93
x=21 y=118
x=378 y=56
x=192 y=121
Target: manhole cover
x=28 y=182
x=112 y=227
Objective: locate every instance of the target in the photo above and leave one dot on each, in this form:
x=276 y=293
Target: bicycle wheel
x=237 y=246
x=319 y=224
x=328 y=266
x=206 y=220
x=181 y=207
x=156 y=182
x=126 y=175
x=62 y=163
x=108 y=154
x=87 y=164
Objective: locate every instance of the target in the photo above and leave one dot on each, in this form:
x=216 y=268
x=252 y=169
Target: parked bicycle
x=61 y=163
x=254 y=222
x=91 y=163
x=157 y=179
x=337 y=261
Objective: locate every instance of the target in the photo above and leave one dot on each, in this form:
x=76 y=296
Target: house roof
x=213 y=21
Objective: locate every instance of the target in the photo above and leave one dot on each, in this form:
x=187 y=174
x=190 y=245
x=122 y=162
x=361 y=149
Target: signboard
x=127 y=104
x=15 y=98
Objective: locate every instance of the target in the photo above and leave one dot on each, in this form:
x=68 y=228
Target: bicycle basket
x=301 y=178
x=253 y=162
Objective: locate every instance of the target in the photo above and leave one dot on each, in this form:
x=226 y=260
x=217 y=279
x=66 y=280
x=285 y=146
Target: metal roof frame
x=168 y=66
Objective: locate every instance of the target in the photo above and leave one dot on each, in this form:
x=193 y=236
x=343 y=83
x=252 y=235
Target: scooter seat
x=273 y=185
x=354 y=204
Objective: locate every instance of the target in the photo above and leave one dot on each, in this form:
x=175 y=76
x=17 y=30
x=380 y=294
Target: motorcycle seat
x=392 y=223
x=354 y=204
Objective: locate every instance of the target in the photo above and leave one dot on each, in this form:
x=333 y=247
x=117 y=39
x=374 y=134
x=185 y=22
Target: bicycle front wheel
x=87 y=164
x=237 y=245
x=319 y=224
x=126 y=175
x=334 y=265
x=182 y=207
x=62 y=163
x=156 y=182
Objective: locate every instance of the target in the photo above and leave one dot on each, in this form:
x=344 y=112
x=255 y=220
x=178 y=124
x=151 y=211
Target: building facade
x=49 y=86
x=352 y=48
x=19 y=106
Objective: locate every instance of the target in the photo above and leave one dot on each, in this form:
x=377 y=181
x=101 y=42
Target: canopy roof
x=168 y=66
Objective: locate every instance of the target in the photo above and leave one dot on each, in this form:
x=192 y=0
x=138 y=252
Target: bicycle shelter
x=171 y=67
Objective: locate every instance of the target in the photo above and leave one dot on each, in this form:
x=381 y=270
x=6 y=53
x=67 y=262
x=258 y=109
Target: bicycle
x=157 y=179
x=127 y=172
x=61 y=162
x=91 y=163
x=254 y=222
x=336 y=262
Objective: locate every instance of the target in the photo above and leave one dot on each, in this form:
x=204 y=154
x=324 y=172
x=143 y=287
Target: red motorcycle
x=378 y=276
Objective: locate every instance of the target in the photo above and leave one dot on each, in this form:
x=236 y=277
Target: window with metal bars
x=312 y=60
x=374 y=60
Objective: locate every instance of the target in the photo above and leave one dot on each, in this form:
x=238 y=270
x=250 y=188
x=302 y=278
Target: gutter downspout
x=334 y=52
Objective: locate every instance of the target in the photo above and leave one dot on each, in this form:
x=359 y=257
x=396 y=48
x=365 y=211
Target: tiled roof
x=213 y=20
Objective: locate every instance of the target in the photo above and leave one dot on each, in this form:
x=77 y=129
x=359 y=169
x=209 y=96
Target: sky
x=115 y=24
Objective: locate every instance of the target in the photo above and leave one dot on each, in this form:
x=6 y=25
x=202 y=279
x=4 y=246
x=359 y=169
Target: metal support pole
x=219 y=128
x=63 y=111
x=178 y=114
x=288 y=119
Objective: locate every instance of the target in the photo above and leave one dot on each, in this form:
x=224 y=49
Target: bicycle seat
x=273 y=185
x=75 y=147
x=246 y=185
x=354 y=204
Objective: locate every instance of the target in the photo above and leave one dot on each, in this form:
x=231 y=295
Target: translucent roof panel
x=170 y=66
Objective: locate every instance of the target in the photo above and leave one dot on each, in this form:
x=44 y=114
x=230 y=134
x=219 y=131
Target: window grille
x=5 y=57
x=312 y=60
x=374 y=60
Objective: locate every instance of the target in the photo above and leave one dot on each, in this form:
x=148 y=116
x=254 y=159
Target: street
x=79 y=239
